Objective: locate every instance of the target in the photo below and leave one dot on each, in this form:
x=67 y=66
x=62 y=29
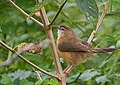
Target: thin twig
x=27 y=61
x=58 y=12
x=53 y=46
x=71 y=21
x=37 y=75
x=24 y=13
x=99 y=22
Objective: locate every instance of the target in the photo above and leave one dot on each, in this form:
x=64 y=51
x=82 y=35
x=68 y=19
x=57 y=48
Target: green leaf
x=53 y=82
x=7 y=80
x=88 y=7
x=102 y=79
x=88 y=74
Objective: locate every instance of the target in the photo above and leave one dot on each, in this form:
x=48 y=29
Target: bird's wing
x=74 y=46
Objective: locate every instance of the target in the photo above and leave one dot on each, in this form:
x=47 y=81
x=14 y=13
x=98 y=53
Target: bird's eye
x=62 y=28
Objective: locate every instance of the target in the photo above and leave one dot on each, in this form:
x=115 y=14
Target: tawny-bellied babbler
x=73 y=50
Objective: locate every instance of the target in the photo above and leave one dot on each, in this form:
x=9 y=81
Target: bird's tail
x=103 y=50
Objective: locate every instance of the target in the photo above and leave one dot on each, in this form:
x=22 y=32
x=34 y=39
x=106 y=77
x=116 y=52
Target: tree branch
x=99 y=22
x=58 y=12
x=27 y=61
x=53 y=46
x=24 y=13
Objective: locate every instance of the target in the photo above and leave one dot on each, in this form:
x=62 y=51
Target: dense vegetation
x=15 y=28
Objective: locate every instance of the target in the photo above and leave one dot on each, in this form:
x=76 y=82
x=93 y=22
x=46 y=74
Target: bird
x=74 y=50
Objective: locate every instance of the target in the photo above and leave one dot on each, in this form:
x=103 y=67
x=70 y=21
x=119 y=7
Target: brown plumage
x=73 y=50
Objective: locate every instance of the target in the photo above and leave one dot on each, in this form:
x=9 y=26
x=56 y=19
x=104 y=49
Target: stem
x=53 y=46
x=27 y=61
x=70 y=20
x=58 y=12
x=24 y=13
x=99 y=22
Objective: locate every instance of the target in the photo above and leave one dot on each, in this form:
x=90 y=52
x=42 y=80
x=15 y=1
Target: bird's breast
x=74 y=58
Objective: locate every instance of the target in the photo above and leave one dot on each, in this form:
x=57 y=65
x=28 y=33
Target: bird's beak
x=56 y=26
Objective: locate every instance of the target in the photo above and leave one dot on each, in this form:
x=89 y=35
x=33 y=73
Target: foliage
x=101 y=69
x=89 y=8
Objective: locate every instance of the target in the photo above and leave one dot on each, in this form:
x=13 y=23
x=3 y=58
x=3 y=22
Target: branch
x=99 y=22
x=53 y=46
x=24 y=13
x=58 y=12
x=27 y=61
x=34 y=48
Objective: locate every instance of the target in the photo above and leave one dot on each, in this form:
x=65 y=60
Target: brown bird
x=73 y=50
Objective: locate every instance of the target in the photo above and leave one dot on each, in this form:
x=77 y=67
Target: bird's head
x=64 y=30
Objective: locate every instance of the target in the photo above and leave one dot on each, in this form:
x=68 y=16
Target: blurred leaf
x=116 y=74
x=5 y=29
x=8 y=28
x=116 y=77
x=0 y=29
x=88 y=7
x=21 y=37
x=102 y=79
x=21 y=74
x=115 y=13
x=72 y=78
x=39 y=82
x=105 y=62
x=88 y=74
x=38 y=6
x=53 y=82
x=7 y=80
x=118 y=44
x=26 y=82
x=50 y=82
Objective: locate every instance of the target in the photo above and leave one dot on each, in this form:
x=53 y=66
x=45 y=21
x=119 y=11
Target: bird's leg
x=68 y=69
